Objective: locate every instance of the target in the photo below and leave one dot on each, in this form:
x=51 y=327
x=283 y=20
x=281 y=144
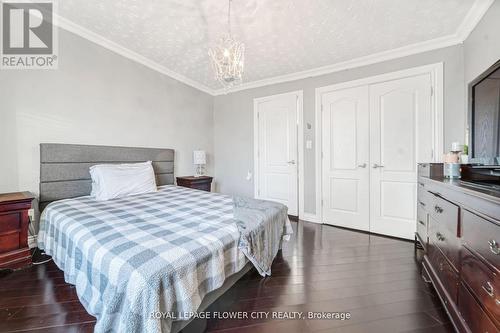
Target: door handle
x=488 y=288
x=362 y=165
x=494 y=247
x=375 y=166
x=291 y=162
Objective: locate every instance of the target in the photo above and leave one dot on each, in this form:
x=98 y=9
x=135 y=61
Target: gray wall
x=482 y=47
x=99 y=97
x=233 y=115
x=96 y=97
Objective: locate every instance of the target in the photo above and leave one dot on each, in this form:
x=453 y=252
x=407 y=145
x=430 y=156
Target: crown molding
x=354 y=63
x=127 y=53
x=474 y=15
x=472 y=18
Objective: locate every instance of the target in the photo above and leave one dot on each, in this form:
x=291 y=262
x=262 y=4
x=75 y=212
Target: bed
x=145 y=263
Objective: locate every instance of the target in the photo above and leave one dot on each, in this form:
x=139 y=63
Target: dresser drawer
x=422 y=226
x=430 y=170
x=10 y=222
x=444 y=212
x=443 y=235
x=482 y=236
x=425 y=199
x=483 y=282
x=472 y=313
x=445 y=272
x=424 y=170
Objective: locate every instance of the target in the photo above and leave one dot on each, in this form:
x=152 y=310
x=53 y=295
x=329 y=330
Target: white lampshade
x=199 y=157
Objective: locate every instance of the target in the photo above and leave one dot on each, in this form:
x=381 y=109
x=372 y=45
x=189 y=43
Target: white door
x=401 y=135
x=277 y=178
x=345 y=140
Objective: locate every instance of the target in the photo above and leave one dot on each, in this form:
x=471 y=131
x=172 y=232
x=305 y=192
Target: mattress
x=134 y=257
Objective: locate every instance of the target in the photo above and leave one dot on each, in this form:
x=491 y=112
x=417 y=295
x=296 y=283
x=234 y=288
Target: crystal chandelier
x=227 y=58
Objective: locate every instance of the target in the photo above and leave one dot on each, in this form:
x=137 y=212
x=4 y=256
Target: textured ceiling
x=281 y=36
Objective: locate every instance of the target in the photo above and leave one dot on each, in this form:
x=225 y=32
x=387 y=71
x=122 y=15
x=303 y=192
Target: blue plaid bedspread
x=132 y=257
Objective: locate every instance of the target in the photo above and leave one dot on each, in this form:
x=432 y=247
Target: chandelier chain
x=229 y=18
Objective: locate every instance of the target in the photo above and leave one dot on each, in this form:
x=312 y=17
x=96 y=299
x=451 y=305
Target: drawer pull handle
x=438 y=209
x=422 y=184
x=494 y=247
x=440 y=236
x=422 y=203
x=422 y=223
x=489 y=289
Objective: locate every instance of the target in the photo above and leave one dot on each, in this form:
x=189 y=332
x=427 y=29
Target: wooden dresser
x=203 y=183
x=458 y=225
x=14 y=222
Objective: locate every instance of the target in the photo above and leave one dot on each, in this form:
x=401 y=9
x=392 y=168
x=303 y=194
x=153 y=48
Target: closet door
x=400 y=136
x=345 y=163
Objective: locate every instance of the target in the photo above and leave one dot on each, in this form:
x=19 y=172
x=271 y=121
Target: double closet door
x=373 y=136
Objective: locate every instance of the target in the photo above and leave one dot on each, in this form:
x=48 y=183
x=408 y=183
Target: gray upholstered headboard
x=64 y=168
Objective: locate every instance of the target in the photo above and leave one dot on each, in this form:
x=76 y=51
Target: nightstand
x=199 y=183
x=14 y=221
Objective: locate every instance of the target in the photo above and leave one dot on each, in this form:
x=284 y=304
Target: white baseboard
x=310 y=218
x=32 y=241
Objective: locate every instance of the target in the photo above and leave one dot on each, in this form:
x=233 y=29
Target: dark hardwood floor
x=323 y=268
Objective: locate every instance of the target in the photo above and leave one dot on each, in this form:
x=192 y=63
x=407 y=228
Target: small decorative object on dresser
x=199 y=183
x=14 y=221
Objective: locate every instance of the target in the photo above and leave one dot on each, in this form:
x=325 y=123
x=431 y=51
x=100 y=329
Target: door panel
x=400 y=136
x=344 y=194
x=397 y=116
x=390 y=191
x=277 y=150
x=345 y=158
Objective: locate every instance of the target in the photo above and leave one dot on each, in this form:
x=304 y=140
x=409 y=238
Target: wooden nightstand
x=199 y=183
x=14 y=221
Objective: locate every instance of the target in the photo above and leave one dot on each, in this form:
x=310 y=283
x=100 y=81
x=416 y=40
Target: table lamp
x=199 y=160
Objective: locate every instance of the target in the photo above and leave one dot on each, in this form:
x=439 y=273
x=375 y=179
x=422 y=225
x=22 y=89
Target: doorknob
x=362 y=165
x=291 y=162
x=375 y=166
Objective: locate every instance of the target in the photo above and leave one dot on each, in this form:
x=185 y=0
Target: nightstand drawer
x=203 y=187
x=203 y=183
x=14 y=222
x=9 y=241
x=10 y=222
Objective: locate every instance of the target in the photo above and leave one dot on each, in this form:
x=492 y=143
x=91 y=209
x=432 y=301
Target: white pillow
x=111 y=181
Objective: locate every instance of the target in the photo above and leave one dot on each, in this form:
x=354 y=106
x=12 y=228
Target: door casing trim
x=300 y=146
x=437 y=83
